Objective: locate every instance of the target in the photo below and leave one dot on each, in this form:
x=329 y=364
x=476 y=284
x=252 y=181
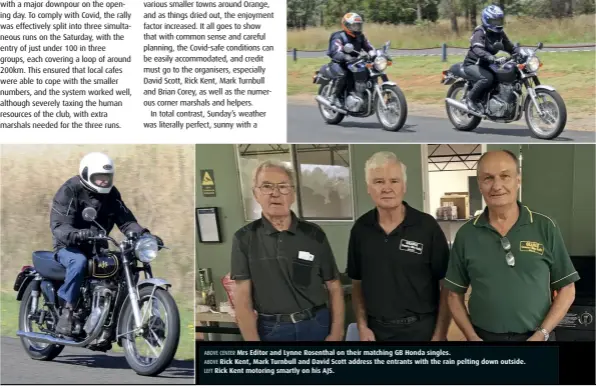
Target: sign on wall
x=207 y=183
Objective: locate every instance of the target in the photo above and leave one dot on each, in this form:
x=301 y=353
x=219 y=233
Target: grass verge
x=527 y=31
x=571 y=73
x=186 y=348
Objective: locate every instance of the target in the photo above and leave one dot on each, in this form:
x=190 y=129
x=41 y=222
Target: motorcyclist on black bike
x=94 y=187
x=486 y=41
x=352 y=27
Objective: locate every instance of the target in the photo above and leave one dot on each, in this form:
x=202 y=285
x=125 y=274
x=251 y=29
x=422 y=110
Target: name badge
x=302 y=255
x=411 y=246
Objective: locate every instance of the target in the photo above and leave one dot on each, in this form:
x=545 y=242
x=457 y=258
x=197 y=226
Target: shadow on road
x=177 y=369
x=376 y=126
x=514 y=131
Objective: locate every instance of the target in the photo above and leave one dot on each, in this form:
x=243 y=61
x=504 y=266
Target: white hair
x=272 y=164
x=381 y=159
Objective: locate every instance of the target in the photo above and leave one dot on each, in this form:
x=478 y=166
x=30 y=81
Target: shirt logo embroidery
x=411 y=246
x=531 y=246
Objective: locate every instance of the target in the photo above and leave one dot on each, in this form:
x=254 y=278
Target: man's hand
x=366 y=334
x=334 y=336
x=537 y=336
x=84 y=235
x=436 y=337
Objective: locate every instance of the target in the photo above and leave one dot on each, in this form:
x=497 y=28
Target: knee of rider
x=79 y=264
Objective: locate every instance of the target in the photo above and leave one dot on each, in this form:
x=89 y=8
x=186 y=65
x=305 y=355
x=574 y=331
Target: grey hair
x=380 y=159
x=272 y=164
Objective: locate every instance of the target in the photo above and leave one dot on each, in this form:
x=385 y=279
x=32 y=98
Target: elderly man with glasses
x=284 y=269
x=513 y=258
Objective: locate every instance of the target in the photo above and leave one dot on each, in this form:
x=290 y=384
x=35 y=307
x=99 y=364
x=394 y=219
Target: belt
x=293 y=317
x=400 y=321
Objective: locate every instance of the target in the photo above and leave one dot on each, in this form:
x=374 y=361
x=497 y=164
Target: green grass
x=528 y=31
x=186 y=348
x=571 y=73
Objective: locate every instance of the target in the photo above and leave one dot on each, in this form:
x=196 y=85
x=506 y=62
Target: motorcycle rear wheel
x=459 y=123
x=37 y=351
x=172 y=336
x=329 y=115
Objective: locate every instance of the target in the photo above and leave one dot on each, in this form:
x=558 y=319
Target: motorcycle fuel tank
x=103 y=266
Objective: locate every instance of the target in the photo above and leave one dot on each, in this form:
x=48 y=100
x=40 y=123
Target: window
x=322 y=173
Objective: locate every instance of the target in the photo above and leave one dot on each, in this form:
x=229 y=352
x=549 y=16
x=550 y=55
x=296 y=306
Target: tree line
x=308 y=13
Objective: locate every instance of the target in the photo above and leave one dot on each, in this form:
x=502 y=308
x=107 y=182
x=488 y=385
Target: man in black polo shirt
x=513 y=258
x=281 y=265
x=397 y=257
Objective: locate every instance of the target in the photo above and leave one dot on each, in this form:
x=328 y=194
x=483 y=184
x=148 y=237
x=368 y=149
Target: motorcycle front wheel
x=329 y=115
x=151 y=352
x=35 y=350
x=554 y=118
x=394 y=117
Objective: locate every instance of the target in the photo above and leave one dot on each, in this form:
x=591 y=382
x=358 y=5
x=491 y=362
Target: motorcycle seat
x=458 y=70
x=47 y=266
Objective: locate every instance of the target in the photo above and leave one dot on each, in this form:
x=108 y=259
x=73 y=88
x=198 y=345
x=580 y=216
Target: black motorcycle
x=115 y=305
x=364 y=96
x=545 y=111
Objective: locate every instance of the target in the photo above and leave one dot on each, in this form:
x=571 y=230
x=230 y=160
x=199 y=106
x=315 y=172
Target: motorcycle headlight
x=533 y=64
x=146 y=249
x=380 y=63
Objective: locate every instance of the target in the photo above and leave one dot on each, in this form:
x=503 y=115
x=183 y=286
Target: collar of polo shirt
x=270 y=229
x=409 y=218
x=525 y=217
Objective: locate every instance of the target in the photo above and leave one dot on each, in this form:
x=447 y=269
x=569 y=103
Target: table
x=212 y=321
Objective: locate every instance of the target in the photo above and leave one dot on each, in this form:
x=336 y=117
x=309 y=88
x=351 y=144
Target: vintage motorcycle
x=545 y=111
x=114 y=306
x=364 y=96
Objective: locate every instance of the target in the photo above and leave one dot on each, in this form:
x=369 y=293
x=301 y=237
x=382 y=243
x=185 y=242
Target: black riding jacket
x=340 y=38
x=482 y=46
x=66 y=215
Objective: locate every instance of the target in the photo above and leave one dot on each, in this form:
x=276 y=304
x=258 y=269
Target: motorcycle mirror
x=348 y=48
x=89 y=214
x=540 y=45
x=516 y=45
x=386 y=46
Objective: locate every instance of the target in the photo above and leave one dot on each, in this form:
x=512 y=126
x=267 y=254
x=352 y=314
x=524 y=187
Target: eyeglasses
x=507 y=247
x=269 y=188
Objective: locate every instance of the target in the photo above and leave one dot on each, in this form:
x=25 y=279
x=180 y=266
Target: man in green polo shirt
x=513 y=258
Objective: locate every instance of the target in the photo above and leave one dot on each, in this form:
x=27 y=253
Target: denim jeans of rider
x=75 y=263
x=315 y=329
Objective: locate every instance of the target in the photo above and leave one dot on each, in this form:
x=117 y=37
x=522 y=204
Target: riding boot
x=64 y=325
x=340 y=85
x=472 y=100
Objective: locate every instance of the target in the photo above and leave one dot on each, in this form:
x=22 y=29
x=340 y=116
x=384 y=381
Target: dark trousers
x=483 y=80
x=421 y=329
x=514 y=337
x=314 y=329
x=75 y=263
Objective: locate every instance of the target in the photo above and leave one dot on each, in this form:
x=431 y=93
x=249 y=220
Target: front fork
x=132 y=293
x=532 y=94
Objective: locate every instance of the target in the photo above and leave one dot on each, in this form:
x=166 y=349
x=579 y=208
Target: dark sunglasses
x=509 y=258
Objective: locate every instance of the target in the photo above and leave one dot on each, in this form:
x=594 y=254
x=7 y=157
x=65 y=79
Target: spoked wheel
x=554 y=114
x=394 y=116
x=329 y=115
x=29 y=320
x=149 y=353
x=461 y=120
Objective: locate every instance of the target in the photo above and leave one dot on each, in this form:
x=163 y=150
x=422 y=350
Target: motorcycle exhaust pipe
x=323 y=100
x=463 y=107
x=45 y=338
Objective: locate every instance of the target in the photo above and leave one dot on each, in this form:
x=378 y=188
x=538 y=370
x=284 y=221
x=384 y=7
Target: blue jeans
x=315 y=329
x=76 y=263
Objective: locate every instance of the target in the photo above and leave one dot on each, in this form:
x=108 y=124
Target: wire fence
x=444 y=49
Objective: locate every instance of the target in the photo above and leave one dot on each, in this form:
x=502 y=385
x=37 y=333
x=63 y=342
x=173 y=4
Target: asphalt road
x=571 y=47
x=82 y=366
x=305 y=125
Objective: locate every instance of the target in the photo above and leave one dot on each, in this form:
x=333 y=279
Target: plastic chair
x=352 y=333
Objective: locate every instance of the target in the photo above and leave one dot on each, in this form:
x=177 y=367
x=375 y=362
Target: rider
x=94 y=186
x=486 y=41
x=352 y=27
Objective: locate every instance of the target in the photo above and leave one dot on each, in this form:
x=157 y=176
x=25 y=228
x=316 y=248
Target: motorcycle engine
x=99 y=290
x=503 y=103
x=354 y=102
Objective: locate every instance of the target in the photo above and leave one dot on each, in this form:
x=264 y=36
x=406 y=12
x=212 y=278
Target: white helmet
x=97 y=166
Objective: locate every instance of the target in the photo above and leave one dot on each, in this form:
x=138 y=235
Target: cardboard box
x=461 y=201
